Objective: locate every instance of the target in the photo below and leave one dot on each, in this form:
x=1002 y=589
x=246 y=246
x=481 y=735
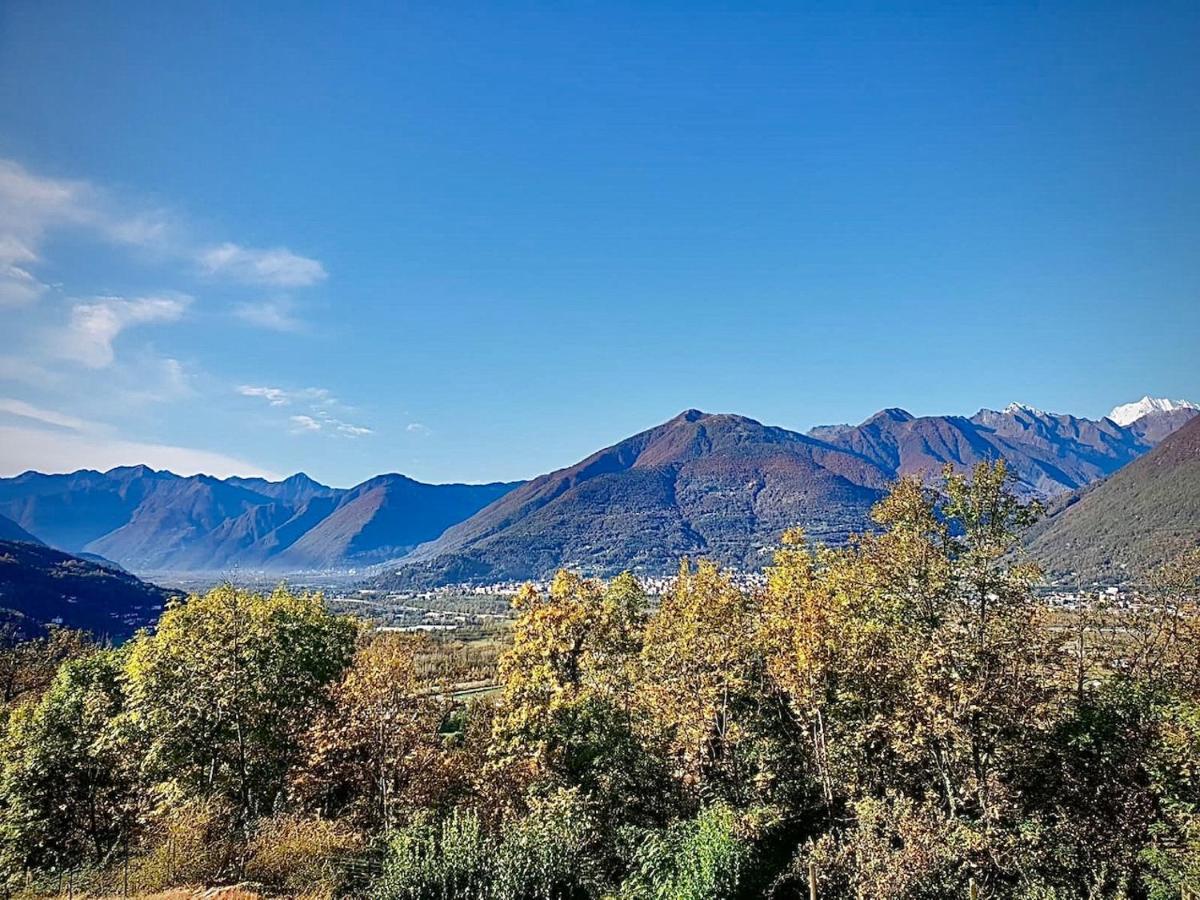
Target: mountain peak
x=1014 y=408
x=891 y=414
x=690 y=415
x=1128 y=413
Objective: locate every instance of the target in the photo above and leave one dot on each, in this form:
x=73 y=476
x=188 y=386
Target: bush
x=704 y=858
x=427 y=859
x=194 y=846
x=547 y=855
x=300 y=853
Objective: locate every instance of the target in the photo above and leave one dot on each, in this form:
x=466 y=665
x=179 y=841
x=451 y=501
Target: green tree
x=222 y=691
x=66 y=790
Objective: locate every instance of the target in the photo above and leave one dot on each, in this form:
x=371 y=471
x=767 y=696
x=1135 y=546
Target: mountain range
x=154 y=521
x=725 y=487
x=717 y=485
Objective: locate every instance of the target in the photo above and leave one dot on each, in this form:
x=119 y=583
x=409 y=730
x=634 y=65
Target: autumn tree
x=374 y=749
x=569 y=711
x=705 y=683
x=917 y=660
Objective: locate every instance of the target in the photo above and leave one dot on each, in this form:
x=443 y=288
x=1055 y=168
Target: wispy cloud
x=274 y=396
x=320 y=405
x=33 y=205
x=304 y=423
x=94 y=325
x=417 y=428
x=277 y=396
x=273 y=315
x=20 y=409
x=48 y=440
x=277 y=267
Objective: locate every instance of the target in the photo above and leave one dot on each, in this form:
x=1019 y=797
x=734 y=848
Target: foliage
x=374 y=749
x=694 y=859
x=543 y=855
x=222 y=691
x=64 y=785
x=298 y=853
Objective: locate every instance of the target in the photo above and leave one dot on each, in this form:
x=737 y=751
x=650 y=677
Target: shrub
x=300 y=853
x=546 y=855
x=427 y=859
x=704 y=858
x=194 y=846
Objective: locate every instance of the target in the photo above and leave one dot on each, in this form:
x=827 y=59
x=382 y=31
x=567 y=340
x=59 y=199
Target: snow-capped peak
x=1128 y=413
x=1013 y=408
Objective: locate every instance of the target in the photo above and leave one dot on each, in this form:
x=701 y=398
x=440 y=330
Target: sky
x=478 y=241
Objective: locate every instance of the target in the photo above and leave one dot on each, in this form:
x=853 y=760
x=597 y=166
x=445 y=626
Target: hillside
x=1122 y=528
x=721 y=486
x=725 y=487
x=40 y=585
x=11 y=531
x=718 y=485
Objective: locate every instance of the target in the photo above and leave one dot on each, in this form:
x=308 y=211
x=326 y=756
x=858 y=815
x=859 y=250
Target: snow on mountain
x=1013 y=408
x=1128 y=413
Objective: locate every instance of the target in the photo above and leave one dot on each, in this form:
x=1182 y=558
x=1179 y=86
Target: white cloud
x=274 y=315
x=304 y=423
x=29 y=205
x=319 y=403
x=24 y=448
x=417 y=428
x=277 y=266
x=22 y=410
x=33 y=205
x=274 y=396
x=94 y=325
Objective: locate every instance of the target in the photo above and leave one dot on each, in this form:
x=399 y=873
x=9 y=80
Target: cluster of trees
x=902 y=716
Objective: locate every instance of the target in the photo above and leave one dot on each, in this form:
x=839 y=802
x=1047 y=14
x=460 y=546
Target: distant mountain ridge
x=718 y=485
x=1050 y=454
x=725 y=487
x=1128 y=413
x=149 y=521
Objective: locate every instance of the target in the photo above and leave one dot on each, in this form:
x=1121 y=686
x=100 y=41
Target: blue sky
x=478 y=241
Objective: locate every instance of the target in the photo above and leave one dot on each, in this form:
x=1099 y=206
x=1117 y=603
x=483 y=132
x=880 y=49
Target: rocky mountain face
x=40 y=586
x=1122 y=528
x=148 y=520
x=1050 y=454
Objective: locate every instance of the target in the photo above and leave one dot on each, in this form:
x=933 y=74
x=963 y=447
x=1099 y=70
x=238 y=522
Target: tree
x=918 y=661
x=571 y=712
x=222 y=691
x=66 y=789
x=375 y=748
x=705 y=684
